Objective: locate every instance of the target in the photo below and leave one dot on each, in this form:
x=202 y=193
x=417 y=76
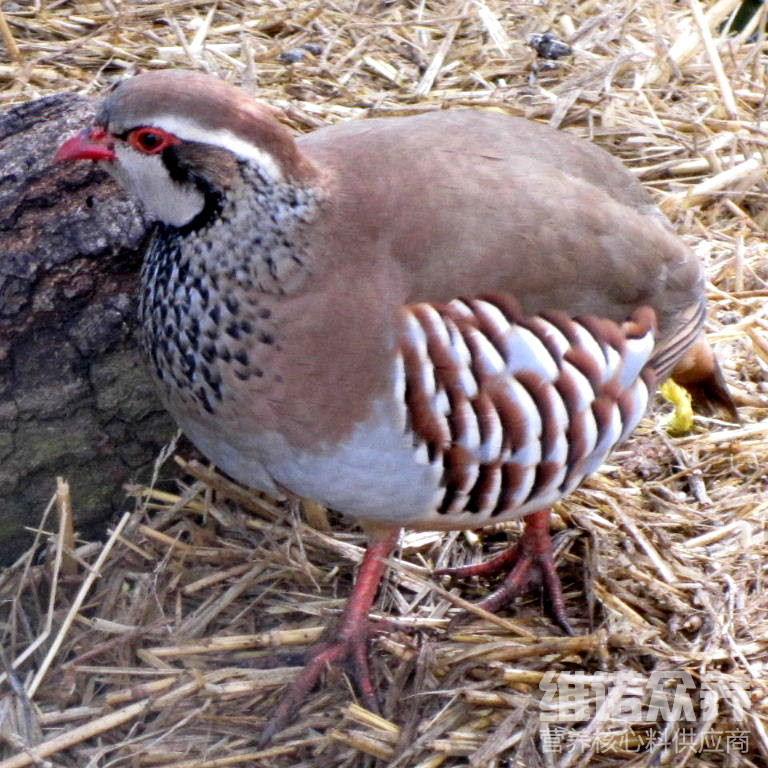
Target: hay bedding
x=158 y=646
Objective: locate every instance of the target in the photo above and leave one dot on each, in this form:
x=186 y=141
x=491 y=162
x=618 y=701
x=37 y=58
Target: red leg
x=350 y=637
x=530 y=561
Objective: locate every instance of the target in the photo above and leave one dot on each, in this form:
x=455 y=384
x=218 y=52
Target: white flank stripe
x=421 y=454
x=426 y=371
x=463 y=359
x=529 y=452
x=491 y=447
x=614 y=362
x=551 y=487
x=561 y=412
x=607 y=441
x=584 y=388
x=441 y=402
x=399 y=387
x=638 y=352
x=590 y=433
x=489 y=361
x=493 y=496
x=437 y=500
x=556 y=335
x=559 y=451
x=494 y=315
x=526 y=352
x=524 y=488
x=592 y=348
x=637 y=409
x=416 y=334
x=462 y=495
x=462 y=309
x=436 y=324
x=471 y=438
x=188 y=130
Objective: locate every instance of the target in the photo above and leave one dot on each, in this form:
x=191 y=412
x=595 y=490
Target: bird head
x=177 y=141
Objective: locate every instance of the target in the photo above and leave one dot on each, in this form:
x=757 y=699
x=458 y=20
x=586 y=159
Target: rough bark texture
x=75 y=397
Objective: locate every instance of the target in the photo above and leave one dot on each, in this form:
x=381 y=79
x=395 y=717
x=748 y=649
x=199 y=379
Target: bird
x=438 y=321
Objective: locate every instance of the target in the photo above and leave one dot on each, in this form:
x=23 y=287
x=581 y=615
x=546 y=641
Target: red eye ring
x=151 y=141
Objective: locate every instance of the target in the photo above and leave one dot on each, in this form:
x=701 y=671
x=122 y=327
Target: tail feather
x=700 y=373
x=669 y=352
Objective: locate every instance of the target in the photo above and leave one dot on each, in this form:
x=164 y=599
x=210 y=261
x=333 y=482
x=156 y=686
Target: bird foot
x=344 y=642
x=530 y=562
x=350 y=648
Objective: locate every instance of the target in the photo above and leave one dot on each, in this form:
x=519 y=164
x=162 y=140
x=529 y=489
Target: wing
x=519 y=409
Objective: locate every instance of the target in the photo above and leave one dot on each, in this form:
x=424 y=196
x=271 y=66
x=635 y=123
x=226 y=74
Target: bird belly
x=376 y=474
x=234 y=454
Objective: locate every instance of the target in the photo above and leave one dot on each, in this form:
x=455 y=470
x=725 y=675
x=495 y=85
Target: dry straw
x=170 y=643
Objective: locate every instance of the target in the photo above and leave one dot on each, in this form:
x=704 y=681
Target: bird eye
x=151 y=141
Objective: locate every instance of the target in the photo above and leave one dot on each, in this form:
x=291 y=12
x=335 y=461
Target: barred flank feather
x=518 y=410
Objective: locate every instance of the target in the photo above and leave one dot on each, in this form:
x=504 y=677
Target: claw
x=530 y=561
x=352 y=635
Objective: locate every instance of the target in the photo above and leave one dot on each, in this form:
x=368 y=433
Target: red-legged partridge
x=437 y=322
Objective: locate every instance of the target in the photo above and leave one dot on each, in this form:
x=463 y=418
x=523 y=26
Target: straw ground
x=157 y=647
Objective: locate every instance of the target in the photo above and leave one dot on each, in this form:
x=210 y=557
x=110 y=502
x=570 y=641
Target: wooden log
x=75 y=397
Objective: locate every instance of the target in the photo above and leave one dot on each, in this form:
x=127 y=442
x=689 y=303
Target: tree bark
x=75 y=396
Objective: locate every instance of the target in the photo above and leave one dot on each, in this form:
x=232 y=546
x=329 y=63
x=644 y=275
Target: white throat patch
x=147 y=178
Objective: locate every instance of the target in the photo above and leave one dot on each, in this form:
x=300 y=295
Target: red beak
x=90 y=144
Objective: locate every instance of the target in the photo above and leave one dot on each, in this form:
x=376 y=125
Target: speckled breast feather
x=518 y=410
